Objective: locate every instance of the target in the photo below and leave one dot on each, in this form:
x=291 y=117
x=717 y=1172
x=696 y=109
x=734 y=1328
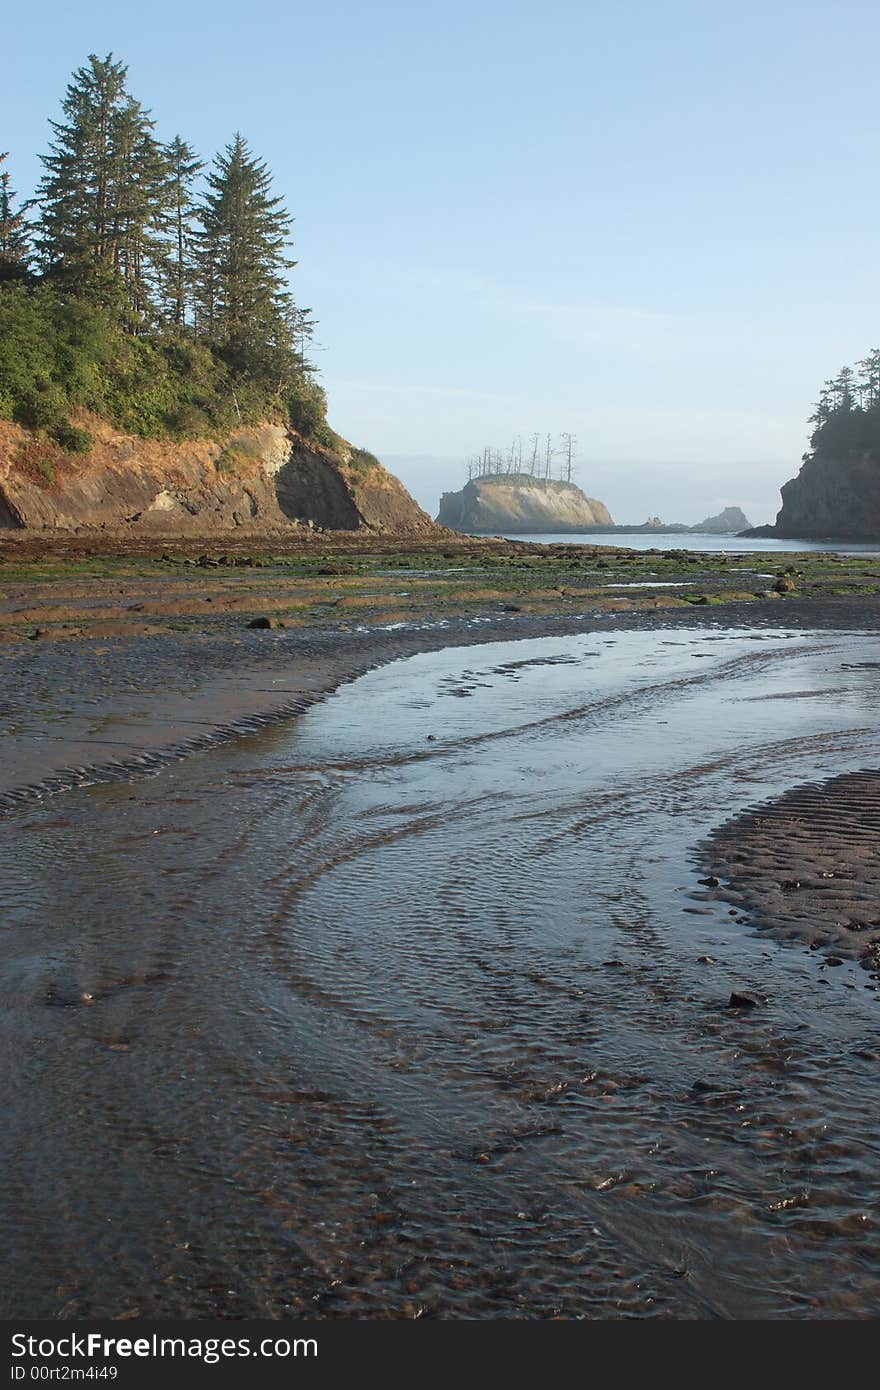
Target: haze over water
x=689 y=540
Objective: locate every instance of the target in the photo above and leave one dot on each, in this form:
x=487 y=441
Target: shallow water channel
x=416 y=1007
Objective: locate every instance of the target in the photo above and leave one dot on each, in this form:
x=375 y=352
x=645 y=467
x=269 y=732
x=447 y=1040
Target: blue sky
x=654 y=224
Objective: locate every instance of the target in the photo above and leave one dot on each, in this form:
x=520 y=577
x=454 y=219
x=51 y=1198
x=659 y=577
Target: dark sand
x=415 y=1007
x=107 y=707
x=588 y=1147
x=807 y=866
x=101 y=709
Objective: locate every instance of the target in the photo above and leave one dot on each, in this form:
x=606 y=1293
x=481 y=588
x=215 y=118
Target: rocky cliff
x=832 y=498
x=262 y=478
x=517 y=502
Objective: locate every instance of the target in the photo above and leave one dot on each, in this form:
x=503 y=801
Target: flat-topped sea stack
x=521 y=504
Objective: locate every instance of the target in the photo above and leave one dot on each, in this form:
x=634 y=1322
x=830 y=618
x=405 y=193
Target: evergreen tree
x=76 y=193
x=104 y=195
x=183 y=168
x=847 y=416
x=823 y=408
x=303 y=329
x=141 y=216
x=869 y=379
x=845 y=386
x=126 y=255
x=15 y=250
x=244 y=300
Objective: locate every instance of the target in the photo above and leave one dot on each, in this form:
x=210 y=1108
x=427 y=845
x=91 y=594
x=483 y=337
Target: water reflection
x=416 y=1007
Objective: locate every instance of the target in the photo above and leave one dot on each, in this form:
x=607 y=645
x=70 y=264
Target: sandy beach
x=111 y=668
x=361 y=986
x=119 y=657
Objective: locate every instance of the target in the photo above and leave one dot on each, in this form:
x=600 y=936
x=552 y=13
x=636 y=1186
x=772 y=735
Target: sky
x=651 y=224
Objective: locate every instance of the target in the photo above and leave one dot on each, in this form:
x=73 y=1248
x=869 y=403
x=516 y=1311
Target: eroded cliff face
x=834 y=499
x=262 y=478
x=517 y=502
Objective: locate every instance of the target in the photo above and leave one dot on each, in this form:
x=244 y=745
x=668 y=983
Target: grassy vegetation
x=59 y=354
x=40 y=460
x=362 y=461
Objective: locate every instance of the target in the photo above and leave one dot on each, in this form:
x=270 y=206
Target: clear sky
x=653 y=224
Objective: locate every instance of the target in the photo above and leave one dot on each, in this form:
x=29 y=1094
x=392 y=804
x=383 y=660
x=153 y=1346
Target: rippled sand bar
x=416 y=1005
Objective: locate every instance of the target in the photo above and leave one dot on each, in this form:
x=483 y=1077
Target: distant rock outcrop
x=262 y=478
x=726 y=523
x=520 y=503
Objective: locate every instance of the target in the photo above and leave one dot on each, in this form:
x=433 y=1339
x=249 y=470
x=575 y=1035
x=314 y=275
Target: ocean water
x=416 y=1007
x=688 y=540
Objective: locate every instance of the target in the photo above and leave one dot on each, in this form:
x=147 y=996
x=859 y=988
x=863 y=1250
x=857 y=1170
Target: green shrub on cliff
x=54 y=354
x=72 y=439
x=361 y=460
x=59 y=353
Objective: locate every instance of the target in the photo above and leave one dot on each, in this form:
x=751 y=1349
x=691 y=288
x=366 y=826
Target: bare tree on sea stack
x=568 y=448
x=512 y=462
x=549 y=455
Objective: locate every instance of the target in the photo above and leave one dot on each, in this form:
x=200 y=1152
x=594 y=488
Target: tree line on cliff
x=846 y=417
x=536 y=460
x=146 y=286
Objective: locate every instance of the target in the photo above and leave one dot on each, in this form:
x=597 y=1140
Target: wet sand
x=806 y=866
x=311 y=1044
x=98 y=706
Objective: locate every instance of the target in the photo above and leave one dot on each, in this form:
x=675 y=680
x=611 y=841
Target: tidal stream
x=416 y=1006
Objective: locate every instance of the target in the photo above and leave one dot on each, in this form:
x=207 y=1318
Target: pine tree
x=869 y=379
x=845 y=384
x=77 y=191
x=104 y=195
x=183 y=169
x=141 y=216
x=303 y=331
x=15 y=250
x=244 y=300
x=823 y=408
x=122 y=245
x=837 y=394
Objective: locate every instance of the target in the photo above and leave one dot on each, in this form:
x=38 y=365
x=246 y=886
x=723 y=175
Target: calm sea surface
x=687 y=540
